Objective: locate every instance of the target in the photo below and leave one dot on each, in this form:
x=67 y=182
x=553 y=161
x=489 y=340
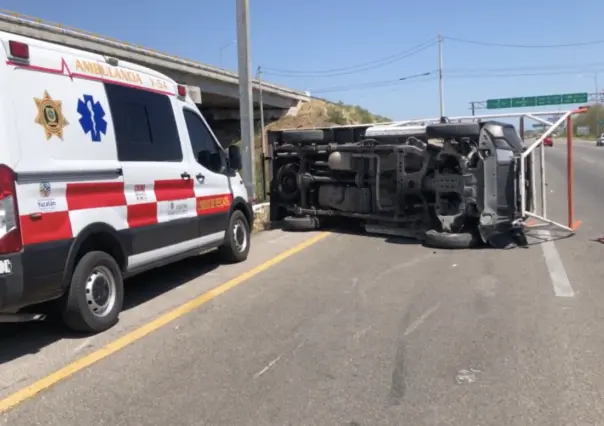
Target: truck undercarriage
x=450 y=184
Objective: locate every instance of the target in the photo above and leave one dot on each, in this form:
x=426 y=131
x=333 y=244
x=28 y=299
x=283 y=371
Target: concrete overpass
x=216 y=90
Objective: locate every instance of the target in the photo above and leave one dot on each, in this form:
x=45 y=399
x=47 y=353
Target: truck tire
x=236 y=246
x=96 y=294
x=302 y=136
x=287 y=183
x=300 y=223
x=451 y=241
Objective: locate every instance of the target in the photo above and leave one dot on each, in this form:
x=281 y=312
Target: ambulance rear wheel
x=237 y=238
x=96 y=294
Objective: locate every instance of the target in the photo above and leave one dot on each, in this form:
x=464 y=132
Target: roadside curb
x=261 y=217
x=260 y=206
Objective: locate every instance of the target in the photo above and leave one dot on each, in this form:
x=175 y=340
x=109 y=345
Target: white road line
x=268 y=366
x=415 y=324
x=557 y=273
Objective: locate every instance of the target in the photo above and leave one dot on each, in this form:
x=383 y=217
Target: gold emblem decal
x=50 y=116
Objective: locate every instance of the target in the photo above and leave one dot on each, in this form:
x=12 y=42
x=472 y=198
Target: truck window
x=144 y=123
x=512 y=137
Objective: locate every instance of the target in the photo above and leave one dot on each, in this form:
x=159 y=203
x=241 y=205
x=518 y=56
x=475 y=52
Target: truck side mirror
x=235 y=157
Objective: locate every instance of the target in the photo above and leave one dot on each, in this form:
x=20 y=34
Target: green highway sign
x=531 y=101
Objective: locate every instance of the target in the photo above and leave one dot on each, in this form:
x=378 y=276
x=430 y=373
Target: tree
x=594 y=114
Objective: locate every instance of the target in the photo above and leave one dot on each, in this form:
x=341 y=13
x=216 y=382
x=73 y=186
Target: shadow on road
x=536 y=237
x=17 y=340
x=354 y=227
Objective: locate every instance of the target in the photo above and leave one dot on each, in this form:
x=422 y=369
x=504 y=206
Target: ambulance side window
x=144 y=123
x=205 y=149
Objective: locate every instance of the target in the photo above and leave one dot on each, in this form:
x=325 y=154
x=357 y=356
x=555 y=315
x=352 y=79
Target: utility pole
x=246 y=110
x=440 y=76
x=473 y=108
x=598 y=106
x=262 y=133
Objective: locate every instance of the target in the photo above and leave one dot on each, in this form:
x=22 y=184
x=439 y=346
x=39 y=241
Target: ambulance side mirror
x=235 y=157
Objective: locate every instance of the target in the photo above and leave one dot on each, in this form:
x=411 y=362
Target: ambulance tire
x=96 y=294
x=237 y=239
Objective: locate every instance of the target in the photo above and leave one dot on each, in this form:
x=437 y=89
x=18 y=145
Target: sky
x=336 y=48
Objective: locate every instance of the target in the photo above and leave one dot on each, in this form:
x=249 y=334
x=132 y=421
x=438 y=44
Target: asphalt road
x=353 y=330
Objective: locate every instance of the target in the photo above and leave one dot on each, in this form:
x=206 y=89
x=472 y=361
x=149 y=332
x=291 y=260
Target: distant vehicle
x=548 y=141
x=600 y=140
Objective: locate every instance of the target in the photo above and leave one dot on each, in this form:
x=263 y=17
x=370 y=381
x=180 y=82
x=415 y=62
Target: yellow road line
x=29 y=391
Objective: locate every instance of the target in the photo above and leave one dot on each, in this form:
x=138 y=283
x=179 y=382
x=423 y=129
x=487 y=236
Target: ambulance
x=107 y=169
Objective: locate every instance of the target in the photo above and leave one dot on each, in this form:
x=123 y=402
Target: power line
x=377 y=84
x=334 y=72
x=528 y=74
x=377 y=63
x=578 y=67
x=525 y=46
x=395 y=56
x=432 y=76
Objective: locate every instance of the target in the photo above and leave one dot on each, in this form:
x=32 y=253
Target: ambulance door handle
x=200 y=177
x=185 y=176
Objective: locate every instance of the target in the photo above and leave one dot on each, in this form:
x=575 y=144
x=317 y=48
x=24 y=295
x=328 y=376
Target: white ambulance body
x=107 y=169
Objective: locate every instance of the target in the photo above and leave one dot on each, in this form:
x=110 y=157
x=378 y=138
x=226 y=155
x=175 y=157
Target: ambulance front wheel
x=236 y=244
x=96 y=294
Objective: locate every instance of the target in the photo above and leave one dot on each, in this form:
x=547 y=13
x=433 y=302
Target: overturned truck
x=451 y=185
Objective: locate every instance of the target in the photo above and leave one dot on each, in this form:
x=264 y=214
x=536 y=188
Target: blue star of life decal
x=92 y=117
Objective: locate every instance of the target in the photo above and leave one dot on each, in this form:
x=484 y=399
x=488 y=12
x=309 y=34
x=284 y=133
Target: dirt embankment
x=318 y=113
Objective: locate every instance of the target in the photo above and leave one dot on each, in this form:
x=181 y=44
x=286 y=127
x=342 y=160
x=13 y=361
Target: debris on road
x=466 y=377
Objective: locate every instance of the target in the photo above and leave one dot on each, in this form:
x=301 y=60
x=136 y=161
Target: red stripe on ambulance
x=45 y=227
x=95 y=195
x=142 y=214
x=173 y=189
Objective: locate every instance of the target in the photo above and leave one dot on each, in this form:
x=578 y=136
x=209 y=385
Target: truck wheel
x=236 y=244
x=96 y=294
x=445 y=240
x=300 y=223
x=287 y=183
